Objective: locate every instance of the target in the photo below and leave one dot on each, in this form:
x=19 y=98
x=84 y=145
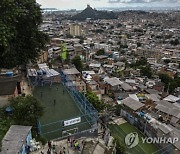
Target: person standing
x=54 y=102
x=71 y=143
x=41 y=94
x=68 y=139
x=49 y=145
x=64 y=150
x=49 y=151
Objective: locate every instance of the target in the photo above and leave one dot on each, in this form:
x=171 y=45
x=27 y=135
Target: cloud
x=143 y=1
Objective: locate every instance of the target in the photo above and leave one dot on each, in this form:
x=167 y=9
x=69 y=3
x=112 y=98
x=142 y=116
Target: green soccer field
x=120 y=131
x=58 y=106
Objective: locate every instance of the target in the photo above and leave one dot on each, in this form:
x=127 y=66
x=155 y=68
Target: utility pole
x=145 y=127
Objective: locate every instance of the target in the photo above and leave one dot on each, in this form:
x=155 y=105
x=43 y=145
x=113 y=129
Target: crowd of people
x=71 y=143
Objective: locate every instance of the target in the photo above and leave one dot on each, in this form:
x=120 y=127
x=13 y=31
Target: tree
x=166 y=79
x=20 y=38
x=100 y=52
x=146 y=71
x=170 y=83
x=81 y=41
x=172 y=86
x=141 y=62
x=138 y=44
x=174 y=42
x=167 y=61
x=119 y=25
x=120 y=149
x=94 y=100
x=92 y=45
x=174 y=83
x=26 y=110
x=123 y=46
x=68 y=35
x=118 y=109
x=78 y=63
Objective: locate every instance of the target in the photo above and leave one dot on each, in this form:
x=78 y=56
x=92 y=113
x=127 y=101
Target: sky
x=81 y=4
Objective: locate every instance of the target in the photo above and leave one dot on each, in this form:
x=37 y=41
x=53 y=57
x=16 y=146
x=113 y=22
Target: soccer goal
x=69 y=132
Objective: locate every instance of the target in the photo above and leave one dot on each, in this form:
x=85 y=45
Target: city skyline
x=81 y=4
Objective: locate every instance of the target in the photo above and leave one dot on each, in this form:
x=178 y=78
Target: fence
x=88 y=116
x=147 y=130
x=121 y=137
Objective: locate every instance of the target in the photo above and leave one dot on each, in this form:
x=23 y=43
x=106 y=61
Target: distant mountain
x=89 y=12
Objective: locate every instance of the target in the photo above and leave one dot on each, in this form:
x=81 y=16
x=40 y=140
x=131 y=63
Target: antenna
x=88 y=6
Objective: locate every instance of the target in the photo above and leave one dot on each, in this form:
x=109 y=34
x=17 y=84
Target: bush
x=94 y=100
x=120 y=149
x=111 y=95
x=100 y=52
x=42 y=139
x=146 y=71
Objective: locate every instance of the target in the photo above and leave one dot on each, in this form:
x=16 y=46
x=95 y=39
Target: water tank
x=44 y=72
x=9 y=74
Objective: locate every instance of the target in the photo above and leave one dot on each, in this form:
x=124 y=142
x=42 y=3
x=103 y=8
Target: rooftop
x=14 y=139
x=94 y=65
x=171 y=111
x=126 y=87
x=113 y=81
x=71 y=71
x=152 y=91
x=132 y=104
x=172 y=98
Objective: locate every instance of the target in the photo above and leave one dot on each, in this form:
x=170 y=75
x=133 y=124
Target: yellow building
x=75 y=30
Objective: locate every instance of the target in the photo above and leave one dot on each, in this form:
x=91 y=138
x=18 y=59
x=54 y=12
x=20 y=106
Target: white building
x=75 y=30
x=106 y=47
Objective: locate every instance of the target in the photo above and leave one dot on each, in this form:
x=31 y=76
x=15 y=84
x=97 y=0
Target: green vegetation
x=138 y=30
x=118 y=109
x=140 y=62
x=68 y=35
x=170 y=83
x=139 y=44
x=94 y=100
x=81 y=41
x=167 y=61
x=20 y=38
x=146 y=71
x=144 y=67
x=26 y=110
x=120 y=148
x=119 y=25
x=123 y=46
x=165 y=78
x=92 y=45
x=100 y=52
x=78 y=63
x=120 y=131
x=174 y=42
